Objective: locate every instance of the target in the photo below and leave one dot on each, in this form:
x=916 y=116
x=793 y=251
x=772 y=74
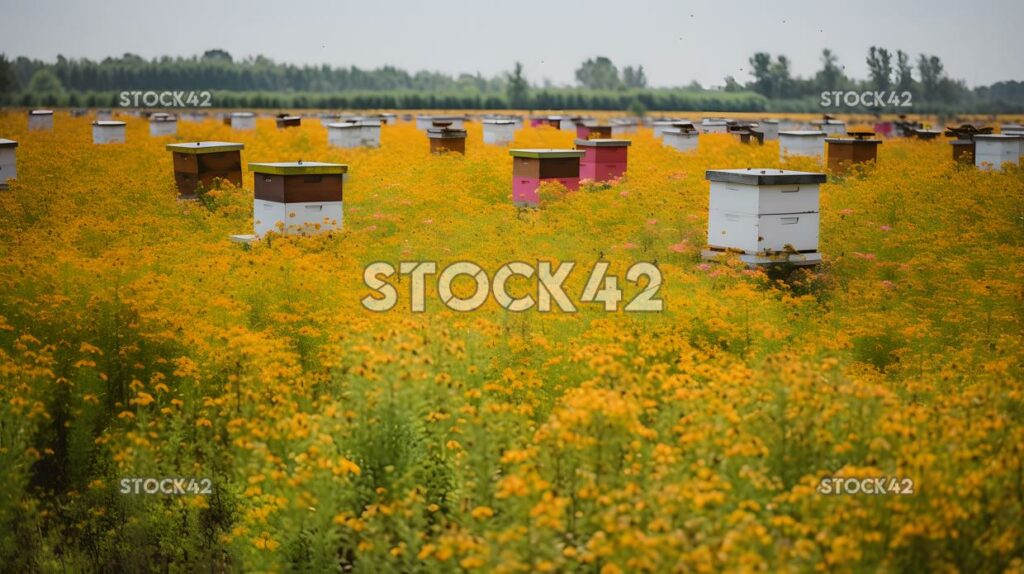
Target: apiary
x=682 y=137
x=768 y=215
x=445 y=139
x=351 y=134
x=499 y=131
x=845 y=152
x=296 y=198
x=531 y=167
x=40 y=120
x=162 y=124
x=108 y=132
x=8 y=162
x=993 y=151
x=284 y=122
x=604 y=159
x=199 y=165
x=243 y=121
x=809 y=143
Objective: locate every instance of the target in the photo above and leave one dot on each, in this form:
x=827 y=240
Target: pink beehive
x=531 y=167
x=604 y=159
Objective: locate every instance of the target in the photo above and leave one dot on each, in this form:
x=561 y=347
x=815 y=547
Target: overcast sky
x=677 y=41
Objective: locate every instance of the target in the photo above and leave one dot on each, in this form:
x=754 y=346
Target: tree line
x=259 y=82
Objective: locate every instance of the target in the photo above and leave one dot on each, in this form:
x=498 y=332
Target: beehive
x=714 y=126
x=201 y=164
x=1012 y=129
x=530 y=167
x=40 y=120
x=104 y=115
x=963 y=146
x=843 y=153
x=830 y=126
x=351 y=134
x=8 y=162
x=923 y=134
x=809 y=143
x=770 y=129
x=297 y=198
x=388 y=119
x=284 y=122
x=993 y=151
x=659 y=126
x=108 y=131
x=603 y=159
x=764 y=213
x=447 y=140
x=747 y=133
x=584 y=131
x=553 y=121
x=499 y=131
x=623 y=126
x=683 y=137
x=426 y=122
x=162 y=124
x=243 y=121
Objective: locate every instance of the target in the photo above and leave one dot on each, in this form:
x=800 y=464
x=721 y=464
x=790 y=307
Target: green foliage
x=598 y=74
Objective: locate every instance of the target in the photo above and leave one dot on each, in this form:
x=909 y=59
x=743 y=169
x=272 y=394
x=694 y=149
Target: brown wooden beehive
x=845 y=152
x=200 y=164
x=447 y=140
x=289 y=122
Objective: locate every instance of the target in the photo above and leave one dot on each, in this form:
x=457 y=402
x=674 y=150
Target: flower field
x=137 y=340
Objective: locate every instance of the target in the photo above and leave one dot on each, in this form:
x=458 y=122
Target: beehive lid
x=708 y=122
x=803 y=133
x=545 y=153
x=162 y=118
x=8 y=143
x=243 y=114
x=499 y=122
x=997 y=137
x=769 y=121
x=289 y=117
x=41 y=113
x=299 y=168
x=603 y=142
x=108 y=123
x=204 y=147
x=828 y=122
x=441 y=133
x=863 y=138
x=343 y=125
x=751 y=176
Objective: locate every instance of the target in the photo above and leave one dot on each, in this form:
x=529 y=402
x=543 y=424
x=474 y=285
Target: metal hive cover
x=759 y=176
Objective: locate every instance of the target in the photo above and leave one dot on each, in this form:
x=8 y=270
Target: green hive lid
x=759 y=176
x=204 y=147
x=299 y=168
x=546 y=153
x=8 y=143
x=603 y=142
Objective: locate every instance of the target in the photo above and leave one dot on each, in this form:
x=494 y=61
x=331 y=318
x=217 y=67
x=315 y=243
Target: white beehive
x=621 y=126
x=108 y=132
x=809 y=143
x=499 y=132
x=243 y=121
x=104 y=115
x=992 y=151
x=350 y=134
x=8 y=162
x=659 y=126
x=762 y=212
x=714 y=126
x=161 y=124
x=297 y=198
x=681 y=139
x=831 y=127
x=40 y=120
x=770 y=129
x=1012 y=129
x=426 y=122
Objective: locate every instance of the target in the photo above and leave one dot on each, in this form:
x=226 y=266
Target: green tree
x=8 y=79
x=634 y=77
x=598 y=74
x=760 y=68
x=831 y=76
x=931 y=72
x=518 y=89
x=45 y=83
x=880 y=67
x=904 y=72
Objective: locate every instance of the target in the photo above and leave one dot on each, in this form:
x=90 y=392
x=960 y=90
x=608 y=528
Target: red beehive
x=604 y=159
x=531 y=167
x=593 y=132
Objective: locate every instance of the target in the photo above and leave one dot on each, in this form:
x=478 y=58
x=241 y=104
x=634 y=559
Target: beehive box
x=284 y=122
x=352 y=134
x=763 y=212
x=297 y=198
x=923 y=134
x=243 y=121
x=770 y=129
x=499 y=131
x=584 y=131
x=203 y=163
x=104 y=115
x=993 y=151
x=552 y=121
x=531 y=167
x=843 y=153
x=623 y=126
x=681 y=138
x=714 y=126
x=388 y=119
x=603 y=159
x=8 y=162
x=830 y=127
x=108 y=132
x=747 y=134
x=447 y=140
x=1012 y=129
x=40 y=120
x=162 y=124
x=659 y=126
x=809 y=143
x=426 y=122
x=963 y=151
